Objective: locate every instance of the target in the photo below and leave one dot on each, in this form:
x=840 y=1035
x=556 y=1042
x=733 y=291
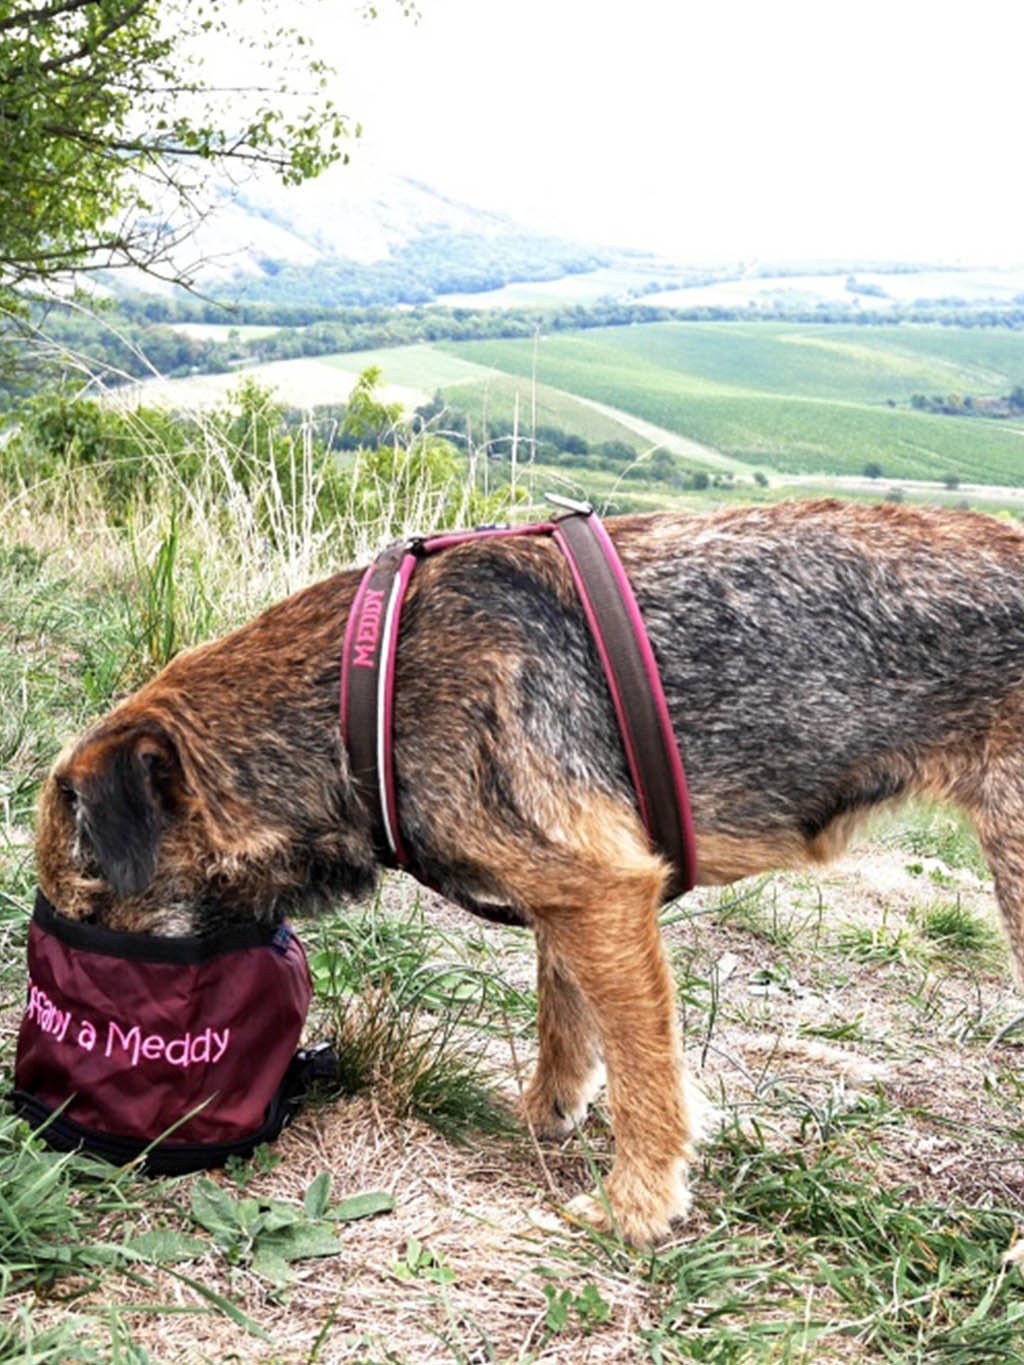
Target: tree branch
x=33 y=16
x=235 y=151
x=89 y=48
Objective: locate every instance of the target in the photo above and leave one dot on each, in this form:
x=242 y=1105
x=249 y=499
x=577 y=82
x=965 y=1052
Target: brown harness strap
x=635 y=684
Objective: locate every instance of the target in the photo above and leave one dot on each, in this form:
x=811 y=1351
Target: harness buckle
x=584 y=509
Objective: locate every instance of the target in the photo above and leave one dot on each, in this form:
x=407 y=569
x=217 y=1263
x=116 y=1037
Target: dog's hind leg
x=1002 y=839
x=569 y=1068
x=990 y=787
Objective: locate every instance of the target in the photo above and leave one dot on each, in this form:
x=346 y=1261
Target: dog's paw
x=630 y=1207
x=550 y=1118
x=591 y=1210
x=555 y=1104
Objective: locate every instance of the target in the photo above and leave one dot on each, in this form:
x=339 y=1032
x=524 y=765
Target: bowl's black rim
x=187 y=950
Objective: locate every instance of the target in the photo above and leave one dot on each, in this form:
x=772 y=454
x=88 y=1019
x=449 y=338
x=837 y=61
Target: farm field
x=796 y=399
x=498 y=396
x=306 y=382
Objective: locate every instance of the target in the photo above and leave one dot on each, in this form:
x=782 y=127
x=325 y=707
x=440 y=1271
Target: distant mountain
x=359 y=235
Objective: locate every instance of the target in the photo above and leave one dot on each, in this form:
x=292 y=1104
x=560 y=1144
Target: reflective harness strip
x=622 y=643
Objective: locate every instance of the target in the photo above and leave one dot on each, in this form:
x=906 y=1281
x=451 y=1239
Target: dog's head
x=146 y=826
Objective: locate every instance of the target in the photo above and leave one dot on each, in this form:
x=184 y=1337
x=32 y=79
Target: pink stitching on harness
x=350 y=627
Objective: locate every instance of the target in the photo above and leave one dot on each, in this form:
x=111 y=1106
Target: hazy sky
x=720 y=129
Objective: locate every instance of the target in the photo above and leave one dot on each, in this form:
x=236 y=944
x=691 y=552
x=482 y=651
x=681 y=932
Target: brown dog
x=817 y=659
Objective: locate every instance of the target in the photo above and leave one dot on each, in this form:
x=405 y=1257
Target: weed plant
x=956 y=929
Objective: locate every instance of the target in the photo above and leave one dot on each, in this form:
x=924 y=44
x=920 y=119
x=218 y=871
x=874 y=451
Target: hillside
x=360 y=235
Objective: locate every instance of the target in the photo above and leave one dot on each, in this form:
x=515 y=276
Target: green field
x=496 y=396
x=422 y=367
x=797 y=399
x=487 y=393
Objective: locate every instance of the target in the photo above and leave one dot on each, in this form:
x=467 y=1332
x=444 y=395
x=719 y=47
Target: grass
x=910 y=1280
x=955 y=928
x=398 y=1015
x=854 y=1201
x=938 y=833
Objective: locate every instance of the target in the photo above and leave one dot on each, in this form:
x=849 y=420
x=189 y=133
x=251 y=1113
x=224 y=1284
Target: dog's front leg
x=614 y=952
x=569 y=1070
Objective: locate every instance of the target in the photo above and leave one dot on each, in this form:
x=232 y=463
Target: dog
x=819 y=659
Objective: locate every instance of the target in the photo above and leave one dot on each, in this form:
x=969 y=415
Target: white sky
x=710 y=130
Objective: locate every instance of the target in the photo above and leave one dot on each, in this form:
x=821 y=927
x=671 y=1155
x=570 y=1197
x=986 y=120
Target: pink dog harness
x=631 y=671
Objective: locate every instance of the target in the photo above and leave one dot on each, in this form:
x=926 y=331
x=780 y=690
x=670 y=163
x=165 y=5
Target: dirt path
x=858 y=483
x=669 y=440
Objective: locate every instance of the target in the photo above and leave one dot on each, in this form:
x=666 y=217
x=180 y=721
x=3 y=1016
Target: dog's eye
x=68 y=794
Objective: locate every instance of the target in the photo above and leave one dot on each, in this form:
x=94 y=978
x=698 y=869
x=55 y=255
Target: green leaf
x=277 y=1214
x=558 y=1308
x=439 y=1274
x=249 y=1214
x=318 y=1195
x=270 y=1266
x=215 y=1210
x=165 y=1246
x=363 y=1206
x=300 y=1242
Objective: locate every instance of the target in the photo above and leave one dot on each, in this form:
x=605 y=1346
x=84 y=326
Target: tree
x=108 y=121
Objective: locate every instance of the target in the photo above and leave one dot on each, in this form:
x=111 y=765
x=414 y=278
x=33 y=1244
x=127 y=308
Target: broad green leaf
x=277 y=1214
x=297 y=1243
x=363 y=1206
x=214 y=1209
x=165 y=1246
x=270 y=1266
x=318 y=1195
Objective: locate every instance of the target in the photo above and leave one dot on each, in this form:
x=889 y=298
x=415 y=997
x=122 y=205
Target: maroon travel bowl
x=129 y=1037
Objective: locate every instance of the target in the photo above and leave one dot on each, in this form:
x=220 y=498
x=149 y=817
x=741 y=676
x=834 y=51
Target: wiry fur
x=818 y=659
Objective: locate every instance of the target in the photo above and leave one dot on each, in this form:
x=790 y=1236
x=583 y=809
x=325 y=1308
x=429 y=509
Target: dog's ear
x=127 y=787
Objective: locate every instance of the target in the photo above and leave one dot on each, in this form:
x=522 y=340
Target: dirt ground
x=825 y=1005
